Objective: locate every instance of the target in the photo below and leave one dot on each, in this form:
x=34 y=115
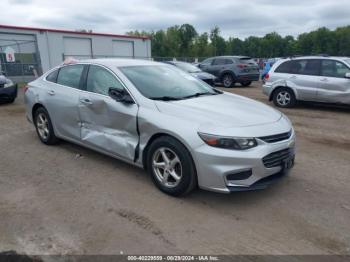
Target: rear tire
x=228 y=80
x=171 y=167
x=44 y=127
x=284 y=97
x=247 y=83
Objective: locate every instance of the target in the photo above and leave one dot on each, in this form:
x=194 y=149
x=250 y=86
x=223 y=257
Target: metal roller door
x=77 y=47
x=123 y=49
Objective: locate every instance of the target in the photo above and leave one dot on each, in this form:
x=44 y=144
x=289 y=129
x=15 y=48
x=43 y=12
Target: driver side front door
x=106 y=124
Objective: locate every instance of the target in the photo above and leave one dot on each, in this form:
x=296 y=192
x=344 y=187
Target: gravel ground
x=66 y=199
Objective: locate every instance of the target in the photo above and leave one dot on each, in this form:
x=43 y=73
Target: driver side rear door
x=106 y=124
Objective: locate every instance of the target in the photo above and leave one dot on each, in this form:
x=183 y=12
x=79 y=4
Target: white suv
x=316 y=78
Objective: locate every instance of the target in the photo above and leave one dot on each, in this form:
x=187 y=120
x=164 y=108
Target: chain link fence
x=26 y=65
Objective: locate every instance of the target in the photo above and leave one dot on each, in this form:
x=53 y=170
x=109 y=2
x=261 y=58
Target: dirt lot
x=67 y=199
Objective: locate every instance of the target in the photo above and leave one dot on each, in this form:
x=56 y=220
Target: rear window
x=246 y=60
x=52 y=77
x=70 y=75
x=285 y=67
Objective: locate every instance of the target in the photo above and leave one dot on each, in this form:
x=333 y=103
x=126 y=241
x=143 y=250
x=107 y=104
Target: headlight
x=9 y=83
x=235 y=143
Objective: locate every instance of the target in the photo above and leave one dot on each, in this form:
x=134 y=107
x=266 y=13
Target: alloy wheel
x=283 y=98
x=227 y=80
x=42 y=125
x=167 y=167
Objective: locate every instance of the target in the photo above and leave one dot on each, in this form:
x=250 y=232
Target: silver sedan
x=181 y=130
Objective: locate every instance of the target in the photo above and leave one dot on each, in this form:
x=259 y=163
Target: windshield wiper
x=198 y=94
x=166 y=98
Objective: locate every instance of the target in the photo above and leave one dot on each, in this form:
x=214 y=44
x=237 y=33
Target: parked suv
x=316 y=78
x=232 y=69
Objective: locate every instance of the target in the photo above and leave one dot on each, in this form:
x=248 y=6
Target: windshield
x=164 y=81
x=188 y=67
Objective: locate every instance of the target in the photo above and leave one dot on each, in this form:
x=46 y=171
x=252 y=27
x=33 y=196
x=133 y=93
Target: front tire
x=284 y=97
x=44 y=127
x=171 y=166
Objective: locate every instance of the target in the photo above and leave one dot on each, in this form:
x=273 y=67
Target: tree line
x=185 y=41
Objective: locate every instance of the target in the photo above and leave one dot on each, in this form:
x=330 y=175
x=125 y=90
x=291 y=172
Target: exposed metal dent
x=109 y=125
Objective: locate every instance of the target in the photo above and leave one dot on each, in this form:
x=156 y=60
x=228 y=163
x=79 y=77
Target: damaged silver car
x=321 y=79
x=181 y=130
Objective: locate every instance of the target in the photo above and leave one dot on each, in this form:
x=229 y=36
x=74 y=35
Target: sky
x=235 y=18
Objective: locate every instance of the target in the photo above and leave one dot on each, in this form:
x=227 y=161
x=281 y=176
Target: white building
x=42 y=49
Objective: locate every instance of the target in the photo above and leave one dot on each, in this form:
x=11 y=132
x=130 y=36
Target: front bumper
x=217 y=168
x=8 y=94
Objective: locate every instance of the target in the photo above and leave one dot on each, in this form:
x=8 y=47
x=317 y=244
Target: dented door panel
x=334 y=90
x=108 y=125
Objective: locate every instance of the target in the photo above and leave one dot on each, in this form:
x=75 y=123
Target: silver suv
x=316 y=78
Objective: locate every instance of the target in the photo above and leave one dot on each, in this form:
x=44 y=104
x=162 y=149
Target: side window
x=99 y=80
x=284 y=67
x=228 y=61
x=298 y=67
x=219 y=61
x=70 y=75
x=333 y=68
x=52 y=77
x=207 y=61
x=312 y=67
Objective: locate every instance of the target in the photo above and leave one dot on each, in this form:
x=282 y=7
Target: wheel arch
x=156 y=136
x=225 y=72
x=278 y=88
x=36 y=106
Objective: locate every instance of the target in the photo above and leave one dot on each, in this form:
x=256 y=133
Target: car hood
x=203 y=75
x=223 y=110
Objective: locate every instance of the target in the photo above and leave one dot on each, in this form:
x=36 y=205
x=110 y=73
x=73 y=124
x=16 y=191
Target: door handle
x=293 y=77
x=86 y=101
x=324 y=79
x=51 y=92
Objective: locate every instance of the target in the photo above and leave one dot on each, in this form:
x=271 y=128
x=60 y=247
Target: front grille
x=276 y=158
x=2 y=85
x=276 y=138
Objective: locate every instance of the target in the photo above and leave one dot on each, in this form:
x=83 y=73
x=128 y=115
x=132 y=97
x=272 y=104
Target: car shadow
x=198 y=196
x=323 y=107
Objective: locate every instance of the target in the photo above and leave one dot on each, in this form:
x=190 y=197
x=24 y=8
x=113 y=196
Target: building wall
x=50 y=45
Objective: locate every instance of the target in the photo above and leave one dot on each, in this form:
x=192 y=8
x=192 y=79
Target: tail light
x=242 y=66
x=267 y=76
x=25 y=88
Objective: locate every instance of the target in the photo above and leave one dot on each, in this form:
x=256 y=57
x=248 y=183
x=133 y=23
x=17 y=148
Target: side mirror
x=120 y=95
x=347 y=75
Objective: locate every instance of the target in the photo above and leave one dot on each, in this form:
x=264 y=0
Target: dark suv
x=232 y=69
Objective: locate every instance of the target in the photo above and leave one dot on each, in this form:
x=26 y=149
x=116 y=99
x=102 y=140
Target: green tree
x=184 y=40
x=218 y=43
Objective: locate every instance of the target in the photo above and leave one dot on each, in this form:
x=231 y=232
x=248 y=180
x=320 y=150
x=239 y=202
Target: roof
x=119 y=62
x=318 y=57
x=70 y=32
